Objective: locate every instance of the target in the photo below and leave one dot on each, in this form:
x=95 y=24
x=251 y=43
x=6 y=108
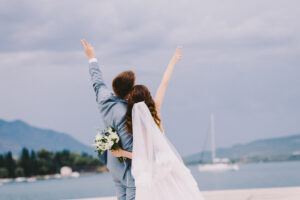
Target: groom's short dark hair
x=123 y=83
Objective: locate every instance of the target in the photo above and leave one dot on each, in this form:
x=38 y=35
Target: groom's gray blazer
x=113 y=110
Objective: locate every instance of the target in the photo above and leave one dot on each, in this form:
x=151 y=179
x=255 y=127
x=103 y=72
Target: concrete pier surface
x=282 y=193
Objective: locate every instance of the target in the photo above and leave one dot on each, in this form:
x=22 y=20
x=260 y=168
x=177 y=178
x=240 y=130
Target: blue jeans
x=125 y=192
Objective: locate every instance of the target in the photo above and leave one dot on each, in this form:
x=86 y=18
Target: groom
x=113 y=108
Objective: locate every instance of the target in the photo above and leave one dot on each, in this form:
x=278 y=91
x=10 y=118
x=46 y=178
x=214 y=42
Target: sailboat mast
x=212 y=134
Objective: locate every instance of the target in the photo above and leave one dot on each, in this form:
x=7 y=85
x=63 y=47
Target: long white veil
x=157 y=168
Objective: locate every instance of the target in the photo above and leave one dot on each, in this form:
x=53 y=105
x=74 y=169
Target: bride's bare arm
x=160 y=93
x=122 y=153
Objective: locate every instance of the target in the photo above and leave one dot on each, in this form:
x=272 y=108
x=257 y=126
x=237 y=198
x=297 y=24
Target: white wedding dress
x=159 y=171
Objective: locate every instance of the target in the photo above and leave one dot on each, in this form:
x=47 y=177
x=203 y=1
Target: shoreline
x=99 y=170
x=280 y=193
x=42 y=177
x=192 y=163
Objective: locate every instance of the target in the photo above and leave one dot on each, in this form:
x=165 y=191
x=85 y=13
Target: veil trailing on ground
x=158 y=169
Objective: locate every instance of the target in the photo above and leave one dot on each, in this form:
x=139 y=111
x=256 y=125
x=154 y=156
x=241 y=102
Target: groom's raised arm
x=100 y=88
x=103 y=94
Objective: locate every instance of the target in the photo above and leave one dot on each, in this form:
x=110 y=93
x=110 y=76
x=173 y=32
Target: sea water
x=258 y=175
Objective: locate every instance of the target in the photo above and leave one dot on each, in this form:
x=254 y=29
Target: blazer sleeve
x=103 y=94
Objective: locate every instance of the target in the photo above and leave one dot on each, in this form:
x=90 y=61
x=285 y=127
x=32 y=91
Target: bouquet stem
x=121 y=159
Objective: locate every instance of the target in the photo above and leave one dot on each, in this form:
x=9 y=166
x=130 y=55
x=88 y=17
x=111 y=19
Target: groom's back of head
x=123 y=83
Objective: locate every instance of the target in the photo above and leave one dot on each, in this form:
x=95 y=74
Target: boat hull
x=218 y=167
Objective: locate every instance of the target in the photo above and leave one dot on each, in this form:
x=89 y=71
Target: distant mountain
x=17 y=134
x=280 y=146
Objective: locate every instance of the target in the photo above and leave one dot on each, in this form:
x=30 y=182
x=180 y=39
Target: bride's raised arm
x=160 y=93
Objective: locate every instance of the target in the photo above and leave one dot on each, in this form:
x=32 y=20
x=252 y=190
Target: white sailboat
x=218 y=164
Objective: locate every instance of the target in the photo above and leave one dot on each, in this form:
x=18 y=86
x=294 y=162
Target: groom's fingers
x=84 y=43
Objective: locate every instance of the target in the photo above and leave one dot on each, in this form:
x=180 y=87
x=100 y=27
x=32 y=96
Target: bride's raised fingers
x=178 y=49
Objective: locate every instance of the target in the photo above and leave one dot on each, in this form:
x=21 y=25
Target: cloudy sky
x=240 y=62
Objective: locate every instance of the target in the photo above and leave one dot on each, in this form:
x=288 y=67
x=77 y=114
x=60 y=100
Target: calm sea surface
x=280 y=174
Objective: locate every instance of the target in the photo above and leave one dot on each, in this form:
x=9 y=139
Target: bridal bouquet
x=107 y=139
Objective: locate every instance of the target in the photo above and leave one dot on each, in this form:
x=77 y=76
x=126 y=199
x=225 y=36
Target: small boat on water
x=31 y=179
x=218 y=167
x=46 y=177
x=57 y=176
x=66 y=172
x=75 y=174
x=218 y=164
x=20 y=179
x=6 y=180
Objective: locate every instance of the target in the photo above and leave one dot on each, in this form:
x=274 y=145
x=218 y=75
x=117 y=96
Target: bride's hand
x=88 y=49
x=117 y=153
x=177 y=56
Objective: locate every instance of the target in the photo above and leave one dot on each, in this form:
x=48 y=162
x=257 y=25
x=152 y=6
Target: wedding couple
x=153 y=169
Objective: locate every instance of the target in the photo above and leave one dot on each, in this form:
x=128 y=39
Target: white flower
x=109 y=139
x=102 y=147
x=107 y=146
x=114 y=135
x=111 y=143
x=98 y=136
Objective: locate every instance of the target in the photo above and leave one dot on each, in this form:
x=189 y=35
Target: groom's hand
x=88 y=49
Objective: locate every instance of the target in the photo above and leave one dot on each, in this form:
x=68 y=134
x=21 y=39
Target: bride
x=159 y=171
